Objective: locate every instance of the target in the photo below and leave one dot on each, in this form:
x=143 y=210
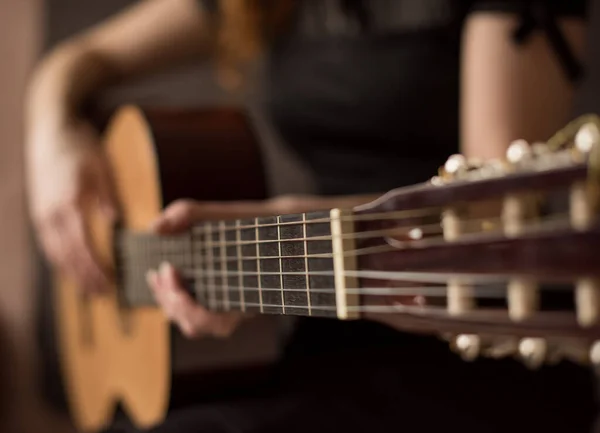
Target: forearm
x=512 y=92
x=142 y=39
x=63 y=82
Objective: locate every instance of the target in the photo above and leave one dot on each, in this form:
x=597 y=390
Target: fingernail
x=151 y=277
x=165 y=269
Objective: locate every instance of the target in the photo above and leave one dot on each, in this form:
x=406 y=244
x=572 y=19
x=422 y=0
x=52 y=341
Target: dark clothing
x=373 y=103
x=367 y=94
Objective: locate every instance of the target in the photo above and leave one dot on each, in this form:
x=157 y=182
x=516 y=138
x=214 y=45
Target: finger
x=173 y=299
x=182 y=214
x=192 y=319
x=177 y=217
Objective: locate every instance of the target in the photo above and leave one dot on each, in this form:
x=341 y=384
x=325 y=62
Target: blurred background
x=27 y=29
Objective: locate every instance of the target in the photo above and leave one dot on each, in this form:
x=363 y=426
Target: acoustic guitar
x=499 y=258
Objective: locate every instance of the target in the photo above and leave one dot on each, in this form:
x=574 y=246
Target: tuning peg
x=576 y=351
x=587 y=137
x=595 y=354
x=518 y=151
x=455 y=165
x=468 y=346
x=437 y=181
x=533 y=352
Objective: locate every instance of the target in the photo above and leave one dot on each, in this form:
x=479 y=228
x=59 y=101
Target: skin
x=507 y=92
x=193 y=320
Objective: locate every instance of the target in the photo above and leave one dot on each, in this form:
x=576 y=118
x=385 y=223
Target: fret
x=249 y=264
x=258 y=280
x=216 y=269
x=199 y=265
x=224 y=286
x=293 y=259
x=233 y=267
x=185 y=260
x=306 y=264
x=280 y=266
x=269 y=265
x=210 y=266
x=318 y=264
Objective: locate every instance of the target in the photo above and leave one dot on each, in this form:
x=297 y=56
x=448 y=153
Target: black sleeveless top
x=367 y=94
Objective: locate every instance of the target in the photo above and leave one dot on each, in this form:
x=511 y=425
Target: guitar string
x=372 y=291
x=164 y=254
x=163 y=245
x=479 y=291
x=230 y=224
x=488 y=314
x=487 y=286
x=488 y=290
x=365 y=274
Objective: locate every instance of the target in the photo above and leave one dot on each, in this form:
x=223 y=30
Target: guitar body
x=112 y=355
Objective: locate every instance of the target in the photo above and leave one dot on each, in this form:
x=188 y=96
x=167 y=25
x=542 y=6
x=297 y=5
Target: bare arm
x=147 y=36
x=65 y=166
x=512 y=91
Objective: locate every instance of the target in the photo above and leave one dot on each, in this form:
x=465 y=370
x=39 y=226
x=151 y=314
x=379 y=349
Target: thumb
x=178 y=217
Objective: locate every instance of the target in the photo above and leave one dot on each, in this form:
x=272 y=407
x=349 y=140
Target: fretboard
x=291 y=264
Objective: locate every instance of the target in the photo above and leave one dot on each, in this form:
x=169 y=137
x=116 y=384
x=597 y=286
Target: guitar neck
x=290 y=265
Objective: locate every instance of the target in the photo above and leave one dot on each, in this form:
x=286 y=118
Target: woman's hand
x=191 y=318
x=67 y=172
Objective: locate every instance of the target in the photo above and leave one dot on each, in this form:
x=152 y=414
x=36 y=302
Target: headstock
x=512 y=247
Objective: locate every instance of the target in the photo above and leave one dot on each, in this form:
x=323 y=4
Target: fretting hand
x=192 y=319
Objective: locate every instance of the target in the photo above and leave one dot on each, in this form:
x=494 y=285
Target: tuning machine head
x=471 y=346
x=519 y=151
x=522 y=154
x=468 y=346
x=457 y=167
x=587 y=138
x=587 y=147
